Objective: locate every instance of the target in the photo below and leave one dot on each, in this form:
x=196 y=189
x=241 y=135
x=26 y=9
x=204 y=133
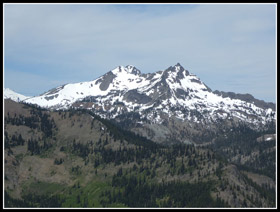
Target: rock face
x=106 y=81
x=247 y=98
x=173 y=98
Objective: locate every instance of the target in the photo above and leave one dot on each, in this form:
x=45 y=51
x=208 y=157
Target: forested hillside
x=74 y=158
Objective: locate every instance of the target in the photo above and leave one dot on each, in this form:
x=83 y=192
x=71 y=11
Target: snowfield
x=10 y=94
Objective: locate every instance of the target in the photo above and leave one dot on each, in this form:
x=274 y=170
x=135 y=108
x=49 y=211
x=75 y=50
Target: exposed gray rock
x=106 y=80
x=248 y=98
x=51 y=97
x=178 y=69
x=197 y=81
x=53 y=90
x=161 y=98
x=207 y=88
x=134 y=70
x=134 y=96
x=181 y=94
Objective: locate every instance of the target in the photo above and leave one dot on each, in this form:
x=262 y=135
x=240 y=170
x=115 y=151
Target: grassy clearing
x=40 y=187
x=86 y=196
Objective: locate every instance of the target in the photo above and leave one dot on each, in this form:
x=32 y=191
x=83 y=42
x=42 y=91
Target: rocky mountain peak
x=176 y=72
x=133 y=70
x=169 y=93
x=178 y=66
x=126 y=69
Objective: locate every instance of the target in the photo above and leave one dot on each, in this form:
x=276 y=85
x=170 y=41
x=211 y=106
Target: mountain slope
x=10 y=94
x=76 y=159
x=157 y=99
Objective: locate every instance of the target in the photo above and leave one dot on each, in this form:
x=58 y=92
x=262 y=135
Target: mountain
x=166 y=105
x=76 y=159
x=10 y=94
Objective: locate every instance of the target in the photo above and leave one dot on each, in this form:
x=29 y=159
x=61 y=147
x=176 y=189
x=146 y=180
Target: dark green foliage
x=47 y=125
x=121 y=134
x=13 y=141
x=33 y=201
x=58 y=161
x=39 y=119
x=76 y=170
x=242 y=140
x=36 y=148
x=10 y=202
x=31 y=122
x=265 y=191
x=43 y=201
x=81 y=150
x=141 y=185
x=136 y=192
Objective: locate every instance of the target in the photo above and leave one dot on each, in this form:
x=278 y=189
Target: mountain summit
x=178 y=68
x=156 y=99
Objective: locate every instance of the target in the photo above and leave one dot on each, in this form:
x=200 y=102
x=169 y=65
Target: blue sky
x=230 y=47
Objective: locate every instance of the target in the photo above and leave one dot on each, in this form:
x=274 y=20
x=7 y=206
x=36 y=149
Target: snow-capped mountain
x=156 y=98
x=10 y=94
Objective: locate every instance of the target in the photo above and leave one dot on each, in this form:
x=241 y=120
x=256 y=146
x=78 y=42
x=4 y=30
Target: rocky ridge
x=172 y=95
